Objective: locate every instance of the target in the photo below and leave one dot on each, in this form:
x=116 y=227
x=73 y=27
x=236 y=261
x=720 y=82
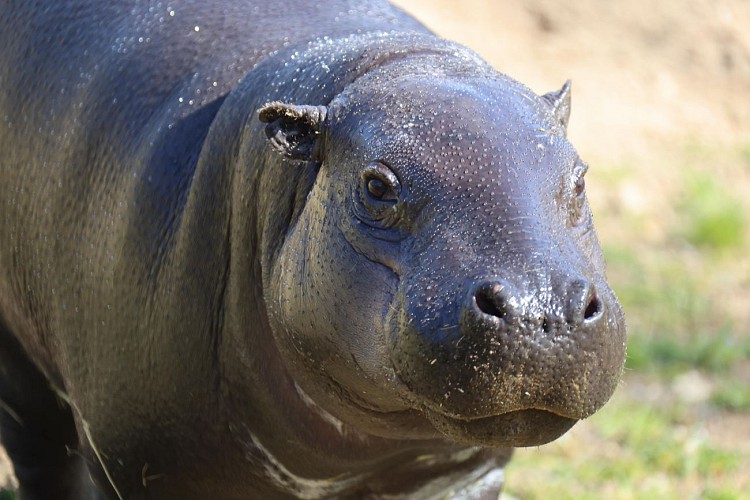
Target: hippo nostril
x=593 y=309
x=546 y=327
x=489 y=300
x=583 y=303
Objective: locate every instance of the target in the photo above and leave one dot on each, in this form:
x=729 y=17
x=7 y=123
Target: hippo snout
x=500 y=300
x=513 y=362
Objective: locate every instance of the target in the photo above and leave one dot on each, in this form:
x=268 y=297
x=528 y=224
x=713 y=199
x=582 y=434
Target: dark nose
x=581 y=302
x=496 y=298
x=573 y=301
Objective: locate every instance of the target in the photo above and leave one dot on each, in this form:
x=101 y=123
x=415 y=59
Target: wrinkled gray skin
x=375 y=285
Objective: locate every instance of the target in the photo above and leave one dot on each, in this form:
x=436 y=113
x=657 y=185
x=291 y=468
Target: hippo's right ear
x=294 y=130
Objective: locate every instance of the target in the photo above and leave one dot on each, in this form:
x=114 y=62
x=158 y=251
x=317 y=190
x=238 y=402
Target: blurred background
x=661 y=111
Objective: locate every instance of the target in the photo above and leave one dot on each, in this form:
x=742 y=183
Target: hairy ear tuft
x=294 y=130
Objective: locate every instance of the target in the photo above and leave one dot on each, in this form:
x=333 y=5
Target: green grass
x=713 y=218
x=733 y=395
x=7 y=495
x=676 y=320
x=628 y=450
x=717 y=352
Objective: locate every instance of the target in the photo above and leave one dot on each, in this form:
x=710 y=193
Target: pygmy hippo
x=262 y=250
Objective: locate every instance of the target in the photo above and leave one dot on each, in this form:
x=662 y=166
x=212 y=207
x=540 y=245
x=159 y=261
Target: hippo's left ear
x=560 y=102
x=293 y=130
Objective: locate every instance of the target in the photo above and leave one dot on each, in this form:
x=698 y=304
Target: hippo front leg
x=38 y=431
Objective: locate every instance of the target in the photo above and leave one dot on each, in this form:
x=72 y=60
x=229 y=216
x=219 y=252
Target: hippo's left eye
x=579 y=187
x=579 y=212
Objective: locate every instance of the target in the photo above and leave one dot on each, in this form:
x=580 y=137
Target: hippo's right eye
x=377 y=188
x=378 y=196
x=381 y=183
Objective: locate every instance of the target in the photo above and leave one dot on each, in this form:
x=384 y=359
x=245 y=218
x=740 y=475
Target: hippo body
x=254 y=252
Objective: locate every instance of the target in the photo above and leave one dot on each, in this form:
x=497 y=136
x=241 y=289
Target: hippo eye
x=381 y=183
x=377 y=197
x=579 y=212
x=377 y=188
x=579 y=187
x=579 y=183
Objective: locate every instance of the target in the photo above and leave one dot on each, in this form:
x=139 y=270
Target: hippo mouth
x=519 y=428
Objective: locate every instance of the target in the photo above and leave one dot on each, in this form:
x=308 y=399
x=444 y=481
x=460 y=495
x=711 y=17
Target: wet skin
x=250 y=253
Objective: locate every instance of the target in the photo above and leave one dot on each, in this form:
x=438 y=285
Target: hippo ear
x=560 y=102
x=293 y=130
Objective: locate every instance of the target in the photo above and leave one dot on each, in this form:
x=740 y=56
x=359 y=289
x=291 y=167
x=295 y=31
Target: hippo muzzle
x=509 y=361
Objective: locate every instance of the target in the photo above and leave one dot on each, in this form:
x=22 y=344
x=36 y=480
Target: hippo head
x=443 y=273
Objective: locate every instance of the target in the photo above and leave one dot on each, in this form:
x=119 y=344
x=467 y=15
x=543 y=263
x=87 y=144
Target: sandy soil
x=647 y=77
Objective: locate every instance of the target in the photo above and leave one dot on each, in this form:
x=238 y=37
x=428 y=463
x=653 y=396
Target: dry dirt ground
x=648 y=77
